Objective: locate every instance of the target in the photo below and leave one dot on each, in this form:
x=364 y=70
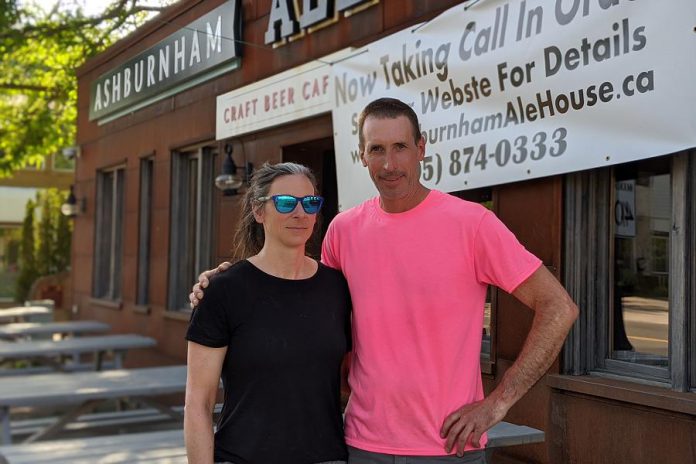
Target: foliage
x=61 y=258
x=39 y=52
x=46 y=250
x=11 y=237
x=12 y=252
x=27 y=264
x=8 y=13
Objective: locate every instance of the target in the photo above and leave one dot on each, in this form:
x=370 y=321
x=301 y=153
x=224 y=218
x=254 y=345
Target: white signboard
x=295 y=94
x=625 y=208
x=509 y=91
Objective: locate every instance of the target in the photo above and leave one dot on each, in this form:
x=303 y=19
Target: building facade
x=162 y=110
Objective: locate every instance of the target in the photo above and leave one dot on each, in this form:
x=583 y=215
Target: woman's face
x=291 y=229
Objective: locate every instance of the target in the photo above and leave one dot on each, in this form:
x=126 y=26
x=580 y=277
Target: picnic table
x=83 y=391
x=47 y=351
x=19 y=330
x=167 y=447
x=21 y=313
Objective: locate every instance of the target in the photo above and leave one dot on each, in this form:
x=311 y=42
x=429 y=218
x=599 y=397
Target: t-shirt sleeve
x=209 y=325
x=499 y=258
x=329 y=248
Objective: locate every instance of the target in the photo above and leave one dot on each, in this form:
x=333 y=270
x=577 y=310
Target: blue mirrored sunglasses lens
x=285 y=203
x=312 y=204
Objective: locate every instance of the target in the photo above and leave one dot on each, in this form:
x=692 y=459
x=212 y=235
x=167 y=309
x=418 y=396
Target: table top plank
x=20 y=329
x=48 y=348
x=75 y=388
x=164 y=446
x=508 y=434
x=10 y=314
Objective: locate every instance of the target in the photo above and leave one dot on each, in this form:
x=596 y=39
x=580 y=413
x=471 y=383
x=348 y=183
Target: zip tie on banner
x=471 y=3
x=467 y=5
x=331 y=63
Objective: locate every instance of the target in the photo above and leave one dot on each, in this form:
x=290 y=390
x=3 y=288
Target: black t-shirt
x=285 y=341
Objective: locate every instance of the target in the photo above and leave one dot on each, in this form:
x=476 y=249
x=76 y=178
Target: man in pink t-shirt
x=418 y=263
x=418 y=283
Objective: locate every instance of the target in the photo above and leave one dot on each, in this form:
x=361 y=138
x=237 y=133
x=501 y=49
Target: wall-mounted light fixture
x=229 y=180
x=72 y=206
x=72 y=152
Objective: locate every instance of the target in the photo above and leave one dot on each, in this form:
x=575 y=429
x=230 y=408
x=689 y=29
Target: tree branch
x=30 y=87
x=45 y=28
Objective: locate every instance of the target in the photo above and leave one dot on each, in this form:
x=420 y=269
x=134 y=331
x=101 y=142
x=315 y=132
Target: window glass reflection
x=642 y=220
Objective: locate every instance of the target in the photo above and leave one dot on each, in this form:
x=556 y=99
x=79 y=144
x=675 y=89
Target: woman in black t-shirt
x=275 y=326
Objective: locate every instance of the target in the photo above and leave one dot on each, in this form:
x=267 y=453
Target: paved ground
x=646 y=322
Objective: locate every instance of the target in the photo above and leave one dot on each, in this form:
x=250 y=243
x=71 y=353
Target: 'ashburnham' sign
x=198 y=50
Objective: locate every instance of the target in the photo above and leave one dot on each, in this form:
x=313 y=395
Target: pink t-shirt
x=418 y=283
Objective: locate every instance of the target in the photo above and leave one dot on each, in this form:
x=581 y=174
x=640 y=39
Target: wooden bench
x=168 y=447
x=99 y=420
x=132 y=417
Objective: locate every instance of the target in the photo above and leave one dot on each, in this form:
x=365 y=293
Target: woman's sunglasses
x=287 y=203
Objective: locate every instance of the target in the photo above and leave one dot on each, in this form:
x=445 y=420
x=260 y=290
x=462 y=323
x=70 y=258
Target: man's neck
x=401 y=205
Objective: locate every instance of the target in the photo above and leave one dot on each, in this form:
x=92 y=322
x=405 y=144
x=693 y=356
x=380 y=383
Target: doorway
x=318 y=155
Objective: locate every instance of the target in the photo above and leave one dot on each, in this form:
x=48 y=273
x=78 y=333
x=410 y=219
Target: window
x=640 y=303
x=144 y=213
x=629 y=236
x=108 y=243
x=191 y=221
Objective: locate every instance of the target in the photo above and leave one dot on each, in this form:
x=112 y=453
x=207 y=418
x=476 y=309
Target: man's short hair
x=388 y=108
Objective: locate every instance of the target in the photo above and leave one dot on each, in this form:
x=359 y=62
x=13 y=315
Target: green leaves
x=27 y=262
x=39 y=51
x=44 y=249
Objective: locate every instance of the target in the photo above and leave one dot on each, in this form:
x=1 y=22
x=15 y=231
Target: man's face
x=392 y=157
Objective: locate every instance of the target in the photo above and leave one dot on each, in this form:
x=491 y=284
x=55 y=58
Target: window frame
x=690 y=255
x=113 y=277
x=181 y=225
x=588 y=199
x=142 y=292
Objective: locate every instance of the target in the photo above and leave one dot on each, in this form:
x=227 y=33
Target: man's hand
x=196 y=294
x=468 y=423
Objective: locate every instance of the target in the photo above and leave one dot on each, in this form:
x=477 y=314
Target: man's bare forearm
x=554 y=314
x=553 y=319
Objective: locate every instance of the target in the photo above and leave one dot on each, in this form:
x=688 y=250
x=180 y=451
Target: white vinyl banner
x=513 y=90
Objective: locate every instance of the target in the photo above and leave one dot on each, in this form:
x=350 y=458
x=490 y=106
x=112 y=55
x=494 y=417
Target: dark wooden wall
x=599 y=420
x=533 y=211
